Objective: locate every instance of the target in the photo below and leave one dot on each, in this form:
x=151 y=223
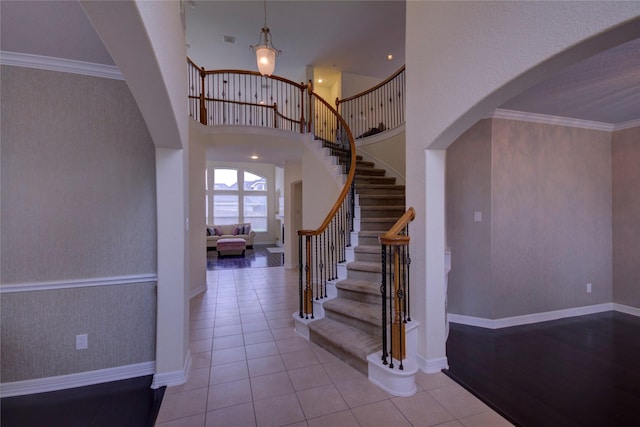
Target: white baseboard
x=173 y=378
x=634 y=311
x=197 y=291
x=432 y=366
x=526 y=319
x=80 y=379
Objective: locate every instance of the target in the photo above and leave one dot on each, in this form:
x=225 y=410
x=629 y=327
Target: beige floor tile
x=229 y=394
x=431 y=381
x=299 y=359
x=227 y=355
x=198 y=378
x=485 y=419
x=321 y=400
x=264 y=349
x=280 y=314
x=422 y=409
x=458 y=401
x=228 y=372
x=286 y=322
x=308 y=377
x=234 y=416
x=379 y=414
x=193 y=421
x=228 y=341
x=360 y=391
x=265 y=365
x=295 y=343
x=283 y=333
x=255 y=326
x=227 y=321
x=200 y=324
x=323 y=355
x=278 y=411
x=337 y=419
x=185 y=404
x=340 y=371
x=257 y=337
x=222 y=331
x=270 y=385
x=201 y=334
x=201 y=360
x=254 y=317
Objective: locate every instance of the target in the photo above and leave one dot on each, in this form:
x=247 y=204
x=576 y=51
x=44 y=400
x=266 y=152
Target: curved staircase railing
x=377 y=109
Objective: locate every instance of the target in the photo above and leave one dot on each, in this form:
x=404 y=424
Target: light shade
x=266 y=59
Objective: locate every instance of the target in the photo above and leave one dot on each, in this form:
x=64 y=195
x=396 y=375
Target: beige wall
x=78 y=203
x=626 y=216
x=546 y=218
x=197 y=239
x=388 y=151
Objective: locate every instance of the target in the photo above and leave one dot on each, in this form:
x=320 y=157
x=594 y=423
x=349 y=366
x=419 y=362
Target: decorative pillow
x=217 y=231
x=247 y=229
x=210 y=231
x=236 y=231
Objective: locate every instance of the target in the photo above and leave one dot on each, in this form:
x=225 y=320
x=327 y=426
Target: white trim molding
x=80 y=379
x=49 y=63
x=80 y=283
x=551 y=120
x=627 y=125
x=526 y=319
x=634 y=311
x=173 y=378
x=432 y=366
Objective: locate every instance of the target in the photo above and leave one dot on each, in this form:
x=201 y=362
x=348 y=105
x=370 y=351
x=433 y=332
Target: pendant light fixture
x=265 y=52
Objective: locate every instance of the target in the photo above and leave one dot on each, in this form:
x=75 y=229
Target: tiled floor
x=251 y=369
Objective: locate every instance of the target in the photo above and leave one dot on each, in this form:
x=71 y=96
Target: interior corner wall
x=389 y=153
x=197 y=222
x=468 y=190
x=625 y=149
x=550 y=217
x=292 y=175
x=320 y=191
x=78 y=205
x=353 y=84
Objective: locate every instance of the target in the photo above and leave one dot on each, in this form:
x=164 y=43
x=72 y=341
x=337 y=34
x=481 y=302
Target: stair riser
x=382 y=225
x=368 y=200
x=369 y=172
x=360 y=296
x=367 y=257
x=391 y=190
x=370 y=328
x=369 y=276
x=376 y=180
x=369 y=240
x=372 y=212
x=354 y=361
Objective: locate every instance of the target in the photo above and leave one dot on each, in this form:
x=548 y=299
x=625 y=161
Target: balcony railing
x=377 y=109
x=396 y=289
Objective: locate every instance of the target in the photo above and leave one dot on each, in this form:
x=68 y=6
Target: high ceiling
x=332 y=36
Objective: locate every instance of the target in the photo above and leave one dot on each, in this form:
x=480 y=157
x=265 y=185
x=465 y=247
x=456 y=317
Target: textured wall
x=626 y=216
x=78 y=183
x=78 y=203
x=545 y=196
x=551 y=217
x=391 y=151
x=468 y=179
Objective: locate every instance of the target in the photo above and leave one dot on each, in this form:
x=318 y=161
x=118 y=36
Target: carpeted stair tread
x=345 y=341
x=362 y=286
x=374 y=267
x=364 y=312
x=369 y=249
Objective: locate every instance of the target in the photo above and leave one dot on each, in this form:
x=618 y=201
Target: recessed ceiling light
x=254 y=157
x=389 y=57
x=320 y=80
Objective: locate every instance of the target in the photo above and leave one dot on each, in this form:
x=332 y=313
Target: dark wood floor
x=127 y=403
x=580 y=371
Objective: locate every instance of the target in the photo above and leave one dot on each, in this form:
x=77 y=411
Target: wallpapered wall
x=78 y=203
x=546 y=230
x=626 y=216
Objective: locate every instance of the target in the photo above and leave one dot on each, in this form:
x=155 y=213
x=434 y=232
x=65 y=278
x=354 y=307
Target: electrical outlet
x=82 y=342
x=588 y=288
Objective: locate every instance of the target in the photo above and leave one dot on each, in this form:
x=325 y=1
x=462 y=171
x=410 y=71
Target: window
x=237 y=196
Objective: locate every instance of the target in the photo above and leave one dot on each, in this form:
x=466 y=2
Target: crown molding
x=627 y=125
x=58 y=64
x=551 y=120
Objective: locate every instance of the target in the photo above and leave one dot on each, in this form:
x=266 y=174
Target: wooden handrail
x=378 y=86
x=392 y=237
x=349 y=181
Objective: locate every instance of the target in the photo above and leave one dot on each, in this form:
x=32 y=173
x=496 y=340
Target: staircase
x=351 y=326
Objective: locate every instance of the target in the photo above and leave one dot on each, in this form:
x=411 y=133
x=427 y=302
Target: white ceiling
x=334 y=36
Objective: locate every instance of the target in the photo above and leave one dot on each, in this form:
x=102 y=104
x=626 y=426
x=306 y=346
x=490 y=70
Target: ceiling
x=332 y=36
